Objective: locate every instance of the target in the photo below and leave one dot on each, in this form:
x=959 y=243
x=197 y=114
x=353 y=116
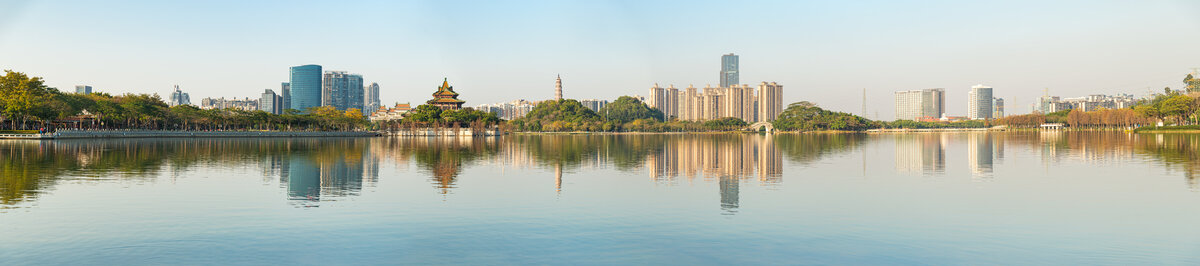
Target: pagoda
x=446 y=98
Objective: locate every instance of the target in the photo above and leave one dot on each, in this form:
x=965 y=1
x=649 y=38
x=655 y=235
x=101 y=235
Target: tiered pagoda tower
x=446 y=98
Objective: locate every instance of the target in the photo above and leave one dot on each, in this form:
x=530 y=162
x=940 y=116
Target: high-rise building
x=178 y=97
x=729 y=70
x=593 y=104
x=305 y=84
x=285 y=91
x=372 y=102
x=920 y=104
x=737 y=101
x=997 y=107
x=342 y=90
x=688 y=104
x=83 y=89
x=770 y=101
x=658 y=99
x=979 y=102
x=270 y=102
x=558 y=88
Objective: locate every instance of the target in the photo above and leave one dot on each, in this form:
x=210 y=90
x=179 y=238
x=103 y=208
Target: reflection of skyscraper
x=729 y=193
x=921 y=153
x=558 y=177
x=304 y=179
x=979 y=153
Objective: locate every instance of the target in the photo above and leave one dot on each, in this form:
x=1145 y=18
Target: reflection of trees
x=28 y=168
x=1174 y=150
x=808 y=148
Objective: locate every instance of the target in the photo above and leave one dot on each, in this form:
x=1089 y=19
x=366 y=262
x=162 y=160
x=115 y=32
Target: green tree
x=626 y=109
x=1192 y=84
x=807 y=117
x=20 y=95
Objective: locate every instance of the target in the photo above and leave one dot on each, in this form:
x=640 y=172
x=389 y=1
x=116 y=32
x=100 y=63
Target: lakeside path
x=100 y=134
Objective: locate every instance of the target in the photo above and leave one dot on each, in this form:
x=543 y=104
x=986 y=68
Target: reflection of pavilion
x=921 y=153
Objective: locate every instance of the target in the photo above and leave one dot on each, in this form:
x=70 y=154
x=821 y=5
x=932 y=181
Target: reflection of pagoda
x=446 y=98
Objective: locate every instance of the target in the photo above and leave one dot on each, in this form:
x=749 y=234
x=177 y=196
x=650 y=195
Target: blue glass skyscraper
x=729 y=70
x=305 y=84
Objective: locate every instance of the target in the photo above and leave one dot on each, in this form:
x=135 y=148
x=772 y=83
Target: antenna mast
x=864 y=103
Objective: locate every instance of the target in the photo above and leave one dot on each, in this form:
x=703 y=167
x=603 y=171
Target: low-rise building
x=390 y=114
x=221 y=103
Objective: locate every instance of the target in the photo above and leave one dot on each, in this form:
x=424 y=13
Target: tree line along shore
x=27 y=105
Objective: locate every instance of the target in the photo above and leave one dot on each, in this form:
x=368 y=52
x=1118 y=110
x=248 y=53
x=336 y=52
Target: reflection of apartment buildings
x=739 y=157
x=980 y=149
x=921 y=153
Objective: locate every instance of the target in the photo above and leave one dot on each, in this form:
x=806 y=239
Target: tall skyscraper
x=285 y=91
x=341 y=90
x=729 y=70
x=558 y=88
x=178 y=97
x=270 y=102
x=917 y=104
x=979 y=102
x=83 y=89
x=305 y=84
x=372 y=103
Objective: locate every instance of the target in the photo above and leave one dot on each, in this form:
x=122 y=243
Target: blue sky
x=496 y=51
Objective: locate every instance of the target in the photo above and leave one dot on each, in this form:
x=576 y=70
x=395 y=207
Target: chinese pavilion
x=446 y=98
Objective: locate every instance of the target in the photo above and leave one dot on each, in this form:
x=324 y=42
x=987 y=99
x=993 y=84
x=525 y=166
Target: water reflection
x=316 y=170
x=922 y=153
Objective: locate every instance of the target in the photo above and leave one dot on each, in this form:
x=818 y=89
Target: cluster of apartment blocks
x=519 y=108
x=763 y=104
x=1049 y=104
x=930 y=105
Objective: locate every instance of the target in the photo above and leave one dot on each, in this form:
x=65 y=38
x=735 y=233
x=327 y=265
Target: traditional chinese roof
x=446 y=91
x=446 y=97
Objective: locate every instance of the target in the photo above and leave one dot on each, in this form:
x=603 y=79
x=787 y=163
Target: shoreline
x=110 y=134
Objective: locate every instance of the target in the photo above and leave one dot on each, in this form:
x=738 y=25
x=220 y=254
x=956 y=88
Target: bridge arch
x=762 y=126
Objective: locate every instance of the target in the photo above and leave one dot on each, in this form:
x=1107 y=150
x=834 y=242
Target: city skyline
x=1071 y=48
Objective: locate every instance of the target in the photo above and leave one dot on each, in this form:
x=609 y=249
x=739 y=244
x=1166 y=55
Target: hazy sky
x=497 y=51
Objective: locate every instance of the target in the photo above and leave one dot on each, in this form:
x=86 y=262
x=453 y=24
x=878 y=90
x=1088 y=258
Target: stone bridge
x=762 y=126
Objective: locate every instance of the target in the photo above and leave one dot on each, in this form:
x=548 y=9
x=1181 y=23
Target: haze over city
x=501 y=51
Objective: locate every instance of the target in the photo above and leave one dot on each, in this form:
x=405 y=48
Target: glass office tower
x=729 y=70
x=305 y=87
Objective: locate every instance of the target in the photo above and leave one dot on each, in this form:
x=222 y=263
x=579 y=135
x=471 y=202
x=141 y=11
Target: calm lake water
x=924 y=198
